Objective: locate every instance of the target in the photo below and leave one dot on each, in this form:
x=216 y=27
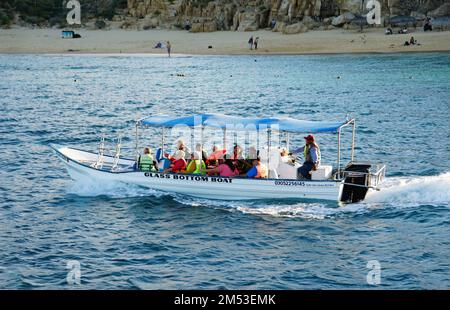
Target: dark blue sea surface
x=130 y=238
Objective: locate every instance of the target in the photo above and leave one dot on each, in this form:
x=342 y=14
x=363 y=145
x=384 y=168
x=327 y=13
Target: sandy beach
x=40 y=41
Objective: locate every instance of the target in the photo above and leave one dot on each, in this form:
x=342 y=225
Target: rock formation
x=291 y=16
x=250 y=15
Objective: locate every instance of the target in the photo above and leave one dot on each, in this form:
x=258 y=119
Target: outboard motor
x=357 y=174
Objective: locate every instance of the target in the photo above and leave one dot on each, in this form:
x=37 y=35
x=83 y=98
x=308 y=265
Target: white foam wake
x=396 y=191
x=89 y=188
x=413 y=190
x=307 y=210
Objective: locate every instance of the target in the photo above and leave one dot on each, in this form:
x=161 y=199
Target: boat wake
x=312 y=210
x=421 y=190
x=395 y=192
x=89 y=188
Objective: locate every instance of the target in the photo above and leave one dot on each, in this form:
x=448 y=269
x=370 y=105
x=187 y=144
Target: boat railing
x=373 y=178
x=101 y=152
x=104 y=151
x=117 y=154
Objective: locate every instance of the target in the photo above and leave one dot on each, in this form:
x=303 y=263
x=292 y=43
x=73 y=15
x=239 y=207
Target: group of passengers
x=220 y=162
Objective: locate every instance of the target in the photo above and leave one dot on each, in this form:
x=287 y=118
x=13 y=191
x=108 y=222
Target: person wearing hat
x=311 y=153
x=285 y=156
x=182 y=146
x=258 y=171
x=178 y=162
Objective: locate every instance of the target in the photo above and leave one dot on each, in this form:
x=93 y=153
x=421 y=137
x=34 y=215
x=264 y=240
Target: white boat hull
x=78 y=164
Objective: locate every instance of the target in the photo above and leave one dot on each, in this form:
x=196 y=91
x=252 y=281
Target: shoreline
x=175 y=55
x=179 y=55
x=223 y=43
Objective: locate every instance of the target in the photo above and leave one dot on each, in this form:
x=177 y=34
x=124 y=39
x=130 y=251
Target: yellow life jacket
x=194 y=167
x=198 y=166
x=307 y=154
x=191 y=167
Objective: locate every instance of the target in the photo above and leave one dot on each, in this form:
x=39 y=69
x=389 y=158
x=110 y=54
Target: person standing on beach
x=273 y=23
x=168 y=48
x=250 y=42
x=255 y=43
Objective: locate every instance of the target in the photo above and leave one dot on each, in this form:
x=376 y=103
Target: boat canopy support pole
x=162 y=141
x=117 y=153
x=352 y=122
x=339 y=154
x=279 y=139
x=224 y=138
x=202 y=134
x=269 y=138
x=136 y=151
x=353 y=140
x=287 y=141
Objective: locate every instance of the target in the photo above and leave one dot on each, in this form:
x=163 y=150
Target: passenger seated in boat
x=252 y=153
x=226 y=168
x=237 y=153
x=195 y=166
x=201 y=152
x=178 y=162
x=285 y=158
x=146 y=162
x=182 y=147
x=216 y=154
x=247 y=164
x=311 y=153
x=162 y=160
x=238 y=159
x=258 y=170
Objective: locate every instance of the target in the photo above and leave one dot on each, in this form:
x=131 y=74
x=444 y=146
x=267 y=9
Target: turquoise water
x=127 y=237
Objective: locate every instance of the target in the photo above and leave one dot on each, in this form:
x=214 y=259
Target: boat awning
x=242 y=123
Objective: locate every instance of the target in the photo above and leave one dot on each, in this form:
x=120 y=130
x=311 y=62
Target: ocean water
x=132 y=238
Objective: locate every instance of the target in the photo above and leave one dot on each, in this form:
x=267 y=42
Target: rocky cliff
x=290 y=15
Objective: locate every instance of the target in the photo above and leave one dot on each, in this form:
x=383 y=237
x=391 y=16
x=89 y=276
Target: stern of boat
x=359 y=178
